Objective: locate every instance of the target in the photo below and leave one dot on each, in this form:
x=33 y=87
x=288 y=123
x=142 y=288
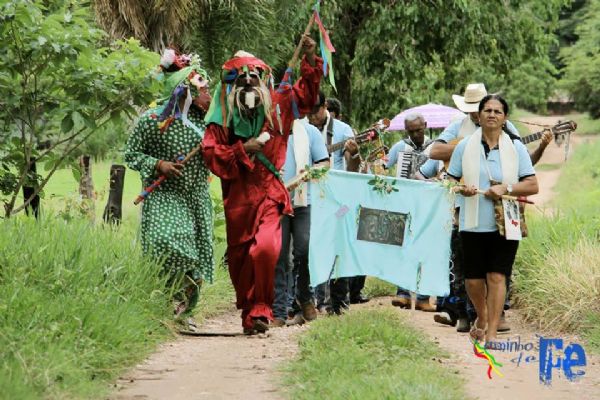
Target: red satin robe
x=254 y=199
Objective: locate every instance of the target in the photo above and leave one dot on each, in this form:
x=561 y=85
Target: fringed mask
x=249 y=82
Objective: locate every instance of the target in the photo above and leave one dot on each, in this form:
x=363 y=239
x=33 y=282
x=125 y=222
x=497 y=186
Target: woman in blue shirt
x=492 y=154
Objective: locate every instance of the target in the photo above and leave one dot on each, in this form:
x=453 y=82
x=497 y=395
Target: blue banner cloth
x=415 y=255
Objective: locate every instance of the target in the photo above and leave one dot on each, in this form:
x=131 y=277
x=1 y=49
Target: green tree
x=413 y=52
x=58 y=83
x=582 y=62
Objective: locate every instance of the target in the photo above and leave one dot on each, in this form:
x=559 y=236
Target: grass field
x=369 y=354
x=80 y=303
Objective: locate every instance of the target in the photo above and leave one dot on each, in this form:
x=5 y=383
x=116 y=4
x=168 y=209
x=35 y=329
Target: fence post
x=113 y=210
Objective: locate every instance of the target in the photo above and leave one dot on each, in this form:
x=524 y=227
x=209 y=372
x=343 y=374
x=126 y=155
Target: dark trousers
x=298 y=229
x=338 y=290
x=457 y=300
x=357 y=283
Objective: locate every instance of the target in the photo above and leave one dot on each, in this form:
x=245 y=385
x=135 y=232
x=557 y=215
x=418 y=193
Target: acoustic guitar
x=368 y=135
x=559 y=131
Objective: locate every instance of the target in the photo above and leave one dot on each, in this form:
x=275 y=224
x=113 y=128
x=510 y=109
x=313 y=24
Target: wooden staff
x=142 y=196
x=301 y=177
x=292 y=62
x=520 y=199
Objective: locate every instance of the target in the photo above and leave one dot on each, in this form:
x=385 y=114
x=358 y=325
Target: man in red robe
x=245 y=145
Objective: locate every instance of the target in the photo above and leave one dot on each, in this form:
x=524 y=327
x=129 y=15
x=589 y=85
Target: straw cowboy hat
x=470 y=101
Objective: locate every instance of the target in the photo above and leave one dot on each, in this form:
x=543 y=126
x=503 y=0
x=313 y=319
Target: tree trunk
x=86 y=185
x=86 y=188
x=113 y=209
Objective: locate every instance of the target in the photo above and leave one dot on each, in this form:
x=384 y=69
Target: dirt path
x=520 y=381
x=238 y=367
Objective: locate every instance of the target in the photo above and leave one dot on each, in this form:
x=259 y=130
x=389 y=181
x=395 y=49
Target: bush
x=79 y=304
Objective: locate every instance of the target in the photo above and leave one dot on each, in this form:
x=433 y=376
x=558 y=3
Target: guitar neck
x=532 y=138
x=336 y=146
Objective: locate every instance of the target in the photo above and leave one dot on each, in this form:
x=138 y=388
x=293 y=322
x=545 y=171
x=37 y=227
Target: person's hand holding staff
x=469 y=191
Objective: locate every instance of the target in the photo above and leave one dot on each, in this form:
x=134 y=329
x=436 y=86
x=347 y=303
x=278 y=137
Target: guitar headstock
x=382 y=124
x=563 y=128
x=559 y=131
x=377 y=153
x=373 y=132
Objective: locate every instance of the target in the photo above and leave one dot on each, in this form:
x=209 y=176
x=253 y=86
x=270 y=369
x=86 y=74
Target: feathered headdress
x=178 y=71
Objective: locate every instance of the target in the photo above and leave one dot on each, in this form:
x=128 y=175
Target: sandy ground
x=240 y=367
x=223 y=367
x=247 y=367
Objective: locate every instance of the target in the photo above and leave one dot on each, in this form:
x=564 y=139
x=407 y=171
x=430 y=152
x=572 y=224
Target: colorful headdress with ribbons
x=219 y=112
x=181 y=74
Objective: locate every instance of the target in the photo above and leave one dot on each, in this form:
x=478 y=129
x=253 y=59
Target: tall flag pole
x=326 y=46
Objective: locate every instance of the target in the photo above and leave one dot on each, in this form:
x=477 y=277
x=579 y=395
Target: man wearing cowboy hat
x=469 y=104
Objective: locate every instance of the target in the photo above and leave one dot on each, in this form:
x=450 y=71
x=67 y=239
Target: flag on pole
x=326 y=48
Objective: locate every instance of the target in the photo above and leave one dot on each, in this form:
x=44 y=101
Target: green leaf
x=67 y=123
x=90 y=122
x=76 y=173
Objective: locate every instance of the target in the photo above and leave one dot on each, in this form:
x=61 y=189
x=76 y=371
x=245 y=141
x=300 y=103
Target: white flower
x=167 y=58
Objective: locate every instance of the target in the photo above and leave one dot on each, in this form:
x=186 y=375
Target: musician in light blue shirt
x=415 y=125
x=310 y=149
x=334 y=131
x=348 y=158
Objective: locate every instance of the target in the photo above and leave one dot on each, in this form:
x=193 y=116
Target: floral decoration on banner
x=382 y=185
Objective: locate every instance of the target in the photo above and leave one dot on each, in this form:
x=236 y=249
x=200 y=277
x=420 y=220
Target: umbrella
x=436 y=115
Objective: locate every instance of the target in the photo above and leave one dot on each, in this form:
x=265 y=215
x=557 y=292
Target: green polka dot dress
x=176 y=216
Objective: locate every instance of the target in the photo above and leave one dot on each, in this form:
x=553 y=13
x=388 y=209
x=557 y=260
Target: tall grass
x=369 y=354
x=78 y=304
x=557 y=274
x=376 y=287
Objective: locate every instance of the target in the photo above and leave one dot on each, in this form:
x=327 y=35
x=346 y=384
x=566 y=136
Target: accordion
x=409 y=163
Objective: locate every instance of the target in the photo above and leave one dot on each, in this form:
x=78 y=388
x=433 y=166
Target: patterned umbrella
x=436 y=115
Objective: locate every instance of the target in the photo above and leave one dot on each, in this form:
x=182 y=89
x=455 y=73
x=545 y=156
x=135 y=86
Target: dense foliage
x=582 y=60
x=407 y=53
x=413 y=52
x=60 y=82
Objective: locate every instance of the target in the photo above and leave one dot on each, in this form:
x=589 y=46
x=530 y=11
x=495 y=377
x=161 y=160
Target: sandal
x=477 y=334
x=187 y=325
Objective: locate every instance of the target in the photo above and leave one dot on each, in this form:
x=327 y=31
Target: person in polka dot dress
x=248 y=125
x=177 y=218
